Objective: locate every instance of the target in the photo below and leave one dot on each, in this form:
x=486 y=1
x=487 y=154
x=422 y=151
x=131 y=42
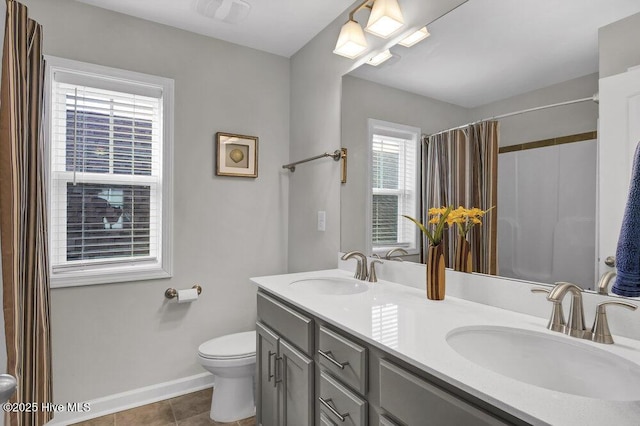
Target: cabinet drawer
x=345 y=359
x=295 y=327
x=335 y=400
x=414 y=401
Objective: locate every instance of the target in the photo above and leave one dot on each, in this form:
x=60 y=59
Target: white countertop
x=401 y=321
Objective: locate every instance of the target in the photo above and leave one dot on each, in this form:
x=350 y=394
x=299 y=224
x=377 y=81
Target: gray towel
x=628 y=251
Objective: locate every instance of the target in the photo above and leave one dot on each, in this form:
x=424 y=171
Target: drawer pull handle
x=270 y=375
x=329 y=356
x=326 y=402
x=278 y=371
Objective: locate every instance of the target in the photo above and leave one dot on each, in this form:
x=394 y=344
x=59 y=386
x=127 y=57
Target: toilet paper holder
x=171 y=293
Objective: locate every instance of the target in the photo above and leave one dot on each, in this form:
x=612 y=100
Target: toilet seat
x=236 y=346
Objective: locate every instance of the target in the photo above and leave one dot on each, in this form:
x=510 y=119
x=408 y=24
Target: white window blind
x=394 y=192
x=107 y=177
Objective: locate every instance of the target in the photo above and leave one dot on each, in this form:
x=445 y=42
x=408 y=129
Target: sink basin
x=330 y=286
x=7 y=387
x=557 y=363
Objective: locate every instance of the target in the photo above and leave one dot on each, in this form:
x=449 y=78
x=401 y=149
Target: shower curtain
x=460 y=169
x=23 y=224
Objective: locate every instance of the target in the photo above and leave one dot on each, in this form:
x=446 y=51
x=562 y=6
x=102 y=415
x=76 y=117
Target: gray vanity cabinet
x=351 y=382
x=415 y=401
x=284 y=394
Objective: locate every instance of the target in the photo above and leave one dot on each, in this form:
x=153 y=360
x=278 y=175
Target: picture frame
x=236 y=155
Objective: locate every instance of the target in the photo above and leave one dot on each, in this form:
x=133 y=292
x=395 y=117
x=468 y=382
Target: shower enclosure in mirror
x=487 y=59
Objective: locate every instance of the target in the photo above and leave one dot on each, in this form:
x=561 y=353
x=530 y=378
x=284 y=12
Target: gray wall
x=117 y=337
x=361 y=100
x=619 y=47
x=315 y=127
x=549 y=123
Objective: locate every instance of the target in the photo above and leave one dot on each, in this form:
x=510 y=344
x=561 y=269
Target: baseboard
x=135 y=398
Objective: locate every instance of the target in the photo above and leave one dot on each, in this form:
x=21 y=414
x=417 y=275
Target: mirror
x=487 y=59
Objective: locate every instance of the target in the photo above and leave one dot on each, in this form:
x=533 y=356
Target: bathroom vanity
x=335 y=350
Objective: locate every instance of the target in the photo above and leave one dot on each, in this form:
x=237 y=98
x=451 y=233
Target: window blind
x=394 y=191
x=106 y=173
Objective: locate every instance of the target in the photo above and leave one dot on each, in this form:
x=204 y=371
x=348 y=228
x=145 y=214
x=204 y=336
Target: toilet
x=232 y=361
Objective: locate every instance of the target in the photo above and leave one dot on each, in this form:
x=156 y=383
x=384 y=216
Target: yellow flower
x=437 y=211
x=466 y=218
x=437 y=217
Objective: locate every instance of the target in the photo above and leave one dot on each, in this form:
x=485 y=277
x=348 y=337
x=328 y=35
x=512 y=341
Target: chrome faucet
x=603 y=283
x=599 y=332
x=575 y=324
x=361 y=267
x=396 y=250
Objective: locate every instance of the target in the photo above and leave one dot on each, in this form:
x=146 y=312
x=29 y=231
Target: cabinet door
x=296 y=390
x=267 y=392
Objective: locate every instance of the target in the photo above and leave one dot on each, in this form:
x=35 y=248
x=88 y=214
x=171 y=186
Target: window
x=394 y=178
x=109 y=178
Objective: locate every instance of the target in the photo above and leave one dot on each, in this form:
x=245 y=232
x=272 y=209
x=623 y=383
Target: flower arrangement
x=465 y=219
x=437 y=217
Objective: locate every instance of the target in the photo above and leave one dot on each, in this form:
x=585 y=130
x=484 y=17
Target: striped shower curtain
x=460 y=168
x=23 y=224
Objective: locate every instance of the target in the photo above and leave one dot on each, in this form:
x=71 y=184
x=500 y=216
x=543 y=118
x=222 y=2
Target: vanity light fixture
x=385 y=19
x=351 y=42
x=414 y=38
x=380 y=58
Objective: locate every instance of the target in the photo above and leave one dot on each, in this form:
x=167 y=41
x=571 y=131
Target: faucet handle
x=556 y=321
x=600 y=330
x=540 y=290
x=372 y=278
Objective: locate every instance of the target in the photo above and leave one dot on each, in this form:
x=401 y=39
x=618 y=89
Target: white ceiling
x=487 y=50
x=281 y=27
x=483 y=51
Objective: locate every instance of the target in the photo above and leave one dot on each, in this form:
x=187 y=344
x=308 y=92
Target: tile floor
x=186 y=410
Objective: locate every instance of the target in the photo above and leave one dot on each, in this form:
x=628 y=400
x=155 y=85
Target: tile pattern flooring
x=186 y=410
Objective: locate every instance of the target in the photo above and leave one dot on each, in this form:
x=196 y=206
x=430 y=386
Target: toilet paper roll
x=186 y=296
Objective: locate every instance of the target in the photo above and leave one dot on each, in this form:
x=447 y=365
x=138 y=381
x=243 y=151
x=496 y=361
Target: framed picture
x=237 y=155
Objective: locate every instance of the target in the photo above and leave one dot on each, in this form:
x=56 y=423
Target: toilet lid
x=238 y=345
